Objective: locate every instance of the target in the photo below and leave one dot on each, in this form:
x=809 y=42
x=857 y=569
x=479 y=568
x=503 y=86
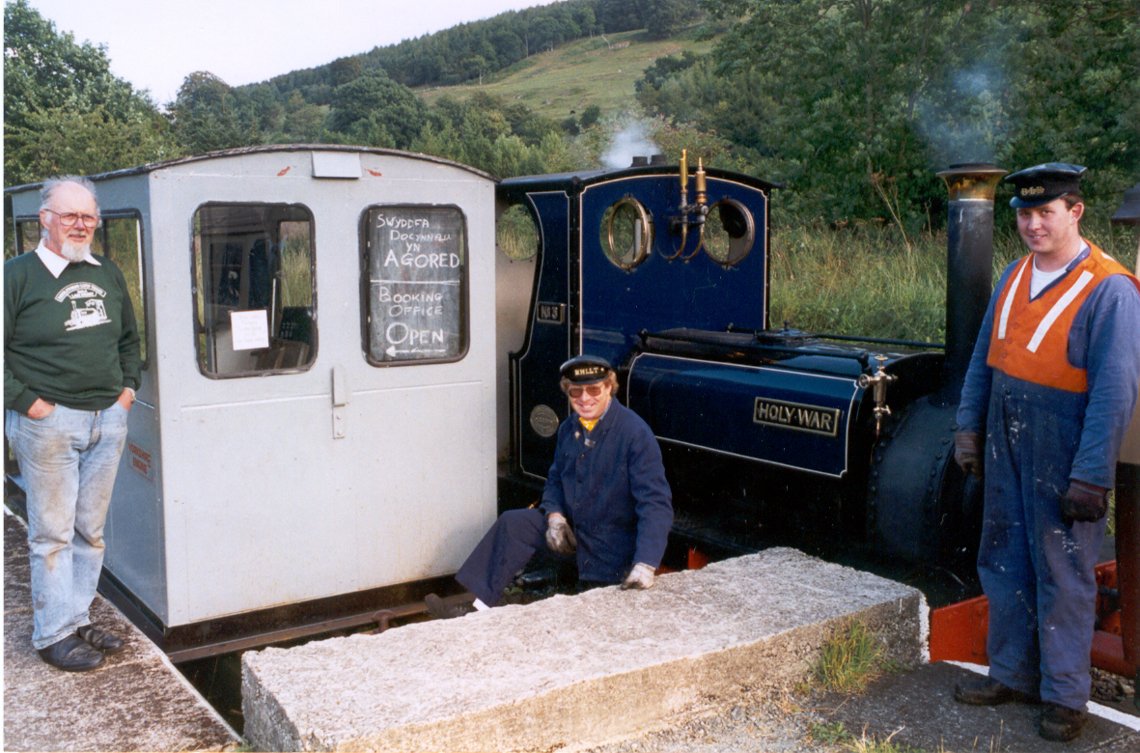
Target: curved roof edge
x=266 y=148
x=579 y=179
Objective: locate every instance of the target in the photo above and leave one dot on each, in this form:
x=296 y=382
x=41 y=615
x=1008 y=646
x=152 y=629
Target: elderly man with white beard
x=71 y=367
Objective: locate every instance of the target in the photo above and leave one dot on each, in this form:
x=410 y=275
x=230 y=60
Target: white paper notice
x=250 y=329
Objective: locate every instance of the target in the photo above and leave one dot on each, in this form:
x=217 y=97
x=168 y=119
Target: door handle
x=339 y=401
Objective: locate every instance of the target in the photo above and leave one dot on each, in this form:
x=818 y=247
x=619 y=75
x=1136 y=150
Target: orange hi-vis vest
x=1030 y=338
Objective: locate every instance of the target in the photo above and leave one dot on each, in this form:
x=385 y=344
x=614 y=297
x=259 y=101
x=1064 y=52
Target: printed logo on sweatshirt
x=87 y=306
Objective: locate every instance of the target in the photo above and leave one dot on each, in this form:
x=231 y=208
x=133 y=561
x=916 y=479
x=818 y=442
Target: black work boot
x=1062 y=724
x=445 y=610
x=72 y=654
x=985 y=691
x=101 y=639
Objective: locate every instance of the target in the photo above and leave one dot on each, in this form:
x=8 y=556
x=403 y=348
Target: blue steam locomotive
x=836 y=444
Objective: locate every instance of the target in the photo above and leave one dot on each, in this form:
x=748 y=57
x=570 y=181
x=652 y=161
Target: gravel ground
x=794 y=723
x=1114 y=691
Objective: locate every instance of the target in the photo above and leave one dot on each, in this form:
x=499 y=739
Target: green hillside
x=598 y=70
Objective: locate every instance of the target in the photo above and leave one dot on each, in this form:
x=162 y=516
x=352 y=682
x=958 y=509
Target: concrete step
x=571 y=672
x=136 y=700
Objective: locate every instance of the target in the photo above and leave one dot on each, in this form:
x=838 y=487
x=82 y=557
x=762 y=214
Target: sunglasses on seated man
x=592 y=389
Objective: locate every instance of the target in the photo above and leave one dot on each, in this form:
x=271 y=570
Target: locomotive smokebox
x=969 y=265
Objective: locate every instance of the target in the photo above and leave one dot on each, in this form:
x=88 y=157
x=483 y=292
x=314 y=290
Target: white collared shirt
x=56 y=263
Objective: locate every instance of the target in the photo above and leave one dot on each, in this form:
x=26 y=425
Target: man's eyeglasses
x=69 y=219
x=592 y=389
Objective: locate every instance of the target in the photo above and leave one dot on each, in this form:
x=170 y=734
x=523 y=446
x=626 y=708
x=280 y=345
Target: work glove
x=968 y=452
x=640 y=577
x=1083 y=502
x=559 y=536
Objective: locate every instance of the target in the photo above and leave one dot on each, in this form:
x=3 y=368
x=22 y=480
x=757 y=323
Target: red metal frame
x=958 y=631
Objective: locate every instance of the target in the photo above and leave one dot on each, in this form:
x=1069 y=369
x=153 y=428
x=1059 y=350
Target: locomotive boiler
x=840 y=445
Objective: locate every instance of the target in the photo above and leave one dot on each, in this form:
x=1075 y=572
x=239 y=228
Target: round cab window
x=626 y=233
x=516 y=234
x=729 y=232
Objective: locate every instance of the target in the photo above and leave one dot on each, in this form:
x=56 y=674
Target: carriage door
x=344 y=437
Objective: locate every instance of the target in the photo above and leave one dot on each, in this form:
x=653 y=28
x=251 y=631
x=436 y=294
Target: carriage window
x=26 y=238
x=626 y=233
x=729 y=232
x=119 y=238
x=254 y=296
x=415 y=284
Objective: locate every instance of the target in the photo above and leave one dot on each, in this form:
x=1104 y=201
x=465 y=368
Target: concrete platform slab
x=570 y=672
x=136 y=701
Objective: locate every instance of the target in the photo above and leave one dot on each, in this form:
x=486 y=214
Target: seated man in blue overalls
x=606 y=500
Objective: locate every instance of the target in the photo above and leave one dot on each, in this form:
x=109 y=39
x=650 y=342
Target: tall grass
x=867 y=281
x=861 y=281
x=850 y=659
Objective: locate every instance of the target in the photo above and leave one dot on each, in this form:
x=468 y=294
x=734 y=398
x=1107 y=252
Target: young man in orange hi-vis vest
x=1045 y=405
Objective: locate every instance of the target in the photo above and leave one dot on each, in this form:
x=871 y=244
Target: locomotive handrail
x=863 y=357
x=857 y=338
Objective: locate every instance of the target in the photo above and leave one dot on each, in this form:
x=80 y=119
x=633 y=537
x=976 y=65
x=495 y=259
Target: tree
x=485 y=132
x=474 y=66
x=375 y=110
x=509 y=48
x=823 y=92
x=343 y=70
x=65 y=141
x=208 y=115
x=590 y=116
x=855 y=104
x=304 y=123
x=262 y=104
x=619 y=15
x=1086 y=108
x=664 y=70
x=664 y=18
x=49 y=78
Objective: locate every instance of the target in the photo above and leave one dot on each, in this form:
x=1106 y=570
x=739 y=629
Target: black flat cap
x=1041 y=184
x=585 y=369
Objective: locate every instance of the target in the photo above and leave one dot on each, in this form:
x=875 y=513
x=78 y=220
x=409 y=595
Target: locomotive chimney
x=969 y=265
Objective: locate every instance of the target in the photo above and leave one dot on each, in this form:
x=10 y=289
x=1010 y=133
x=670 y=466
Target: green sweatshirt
x=72 y=340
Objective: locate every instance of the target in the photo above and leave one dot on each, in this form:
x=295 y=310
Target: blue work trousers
x=68 y=462
x=503 y=552
x=1037 y=571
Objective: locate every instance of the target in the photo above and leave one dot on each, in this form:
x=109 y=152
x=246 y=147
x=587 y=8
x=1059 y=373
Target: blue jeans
x=68 y=462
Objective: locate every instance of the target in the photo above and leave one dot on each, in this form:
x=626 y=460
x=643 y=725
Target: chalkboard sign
x=417 y=284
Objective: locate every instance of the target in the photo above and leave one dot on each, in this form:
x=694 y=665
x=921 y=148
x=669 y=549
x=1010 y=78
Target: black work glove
x=1083 y=502
x=968 y=452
